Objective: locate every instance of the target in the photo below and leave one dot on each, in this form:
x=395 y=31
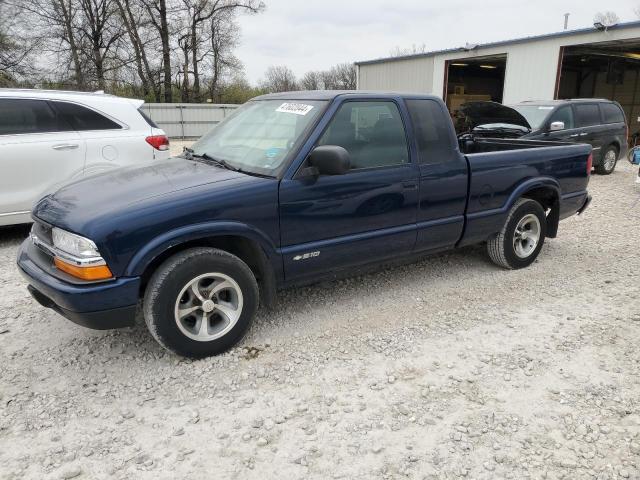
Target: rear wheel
x=200 y=302
x=609 y=160
x=520 y=240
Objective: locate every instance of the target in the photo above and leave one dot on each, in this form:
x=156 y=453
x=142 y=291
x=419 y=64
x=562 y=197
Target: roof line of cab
x=332 y=94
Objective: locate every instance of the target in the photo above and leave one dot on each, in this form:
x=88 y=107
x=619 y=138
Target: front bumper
x=100 y=306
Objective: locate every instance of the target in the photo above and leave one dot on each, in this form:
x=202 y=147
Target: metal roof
x=566 y=33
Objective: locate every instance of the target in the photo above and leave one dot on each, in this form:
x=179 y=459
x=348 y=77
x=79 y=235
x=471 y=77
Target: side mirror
x=330 y=160
x=555 y=126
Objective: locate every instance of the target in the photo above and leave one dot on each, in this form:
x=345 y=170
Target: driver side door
x=333 y=222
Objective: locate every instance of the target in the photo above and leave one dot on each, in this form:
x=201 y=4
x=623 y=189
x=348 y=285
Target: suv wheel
x=609 y=160
x=520 y=240
x=200 y=302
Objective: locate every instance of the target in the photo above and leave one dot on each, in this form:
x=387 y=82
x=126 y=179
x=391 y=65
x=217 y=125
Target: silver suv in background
x=49 y=138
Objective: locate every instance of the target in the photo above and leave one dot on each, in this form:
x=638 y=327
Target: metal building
x=590 y=62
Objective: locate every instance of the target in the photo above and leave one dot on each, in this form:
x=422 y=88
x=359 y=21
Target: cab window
x=372 y=133
x=432 y=129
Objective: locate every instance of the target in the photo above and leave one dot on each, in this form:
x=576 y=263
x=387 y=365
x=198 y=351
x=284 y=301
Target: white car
x=49 y=138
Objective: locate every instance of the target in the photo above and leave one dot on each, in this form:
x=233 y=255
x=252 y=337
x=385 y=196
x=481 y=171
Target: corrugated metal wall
x=187 y=120
x=531 y=70
x=400 y=76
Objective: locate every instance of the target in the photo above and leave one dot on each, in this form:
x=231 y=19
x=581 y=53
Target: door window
x=432 y=130
x=84 y=119
x=372 y=133
x=23 y=116
x=587 y=115
x=564 y=115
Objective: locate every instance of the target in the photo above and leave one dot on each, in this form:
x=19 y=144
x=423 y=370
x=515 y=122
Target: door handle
x=410 y=185
x=584 y=134
x=574 y=135
x=66 y=146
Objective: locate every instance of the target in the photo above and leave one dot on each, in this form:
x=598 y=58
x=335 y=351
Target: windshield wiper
x=222 y=163
x=209 y=158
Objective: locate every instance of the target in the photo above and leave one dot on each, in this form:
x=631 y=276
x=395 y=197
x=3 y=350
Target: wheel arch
x=549 y=198
x=251 y=246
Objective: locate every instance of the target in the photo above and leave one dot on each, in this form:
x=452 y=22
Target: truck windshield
x=534 y=114
x=261 y=134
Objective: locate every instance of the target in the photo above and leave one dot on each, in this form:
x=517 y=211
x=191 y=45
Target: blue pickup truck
x=292 y=188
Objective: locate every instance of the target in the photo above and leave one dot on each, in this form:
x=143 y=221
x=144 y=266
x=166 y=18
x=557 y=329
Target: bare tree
x=205 y=18
x=340 y=77
x=14 y=51
x=312 y=81
x=607 y=19
x=144 y=47
x=223 y=38
x=413 y=50
x=279 y=79
x=344 y=76
x=136 y=24
x=158 y=13
x=57 y=20
x=100 y=32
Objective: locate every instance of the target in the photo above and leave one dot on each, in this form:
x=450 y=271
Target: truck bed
x=500 y=170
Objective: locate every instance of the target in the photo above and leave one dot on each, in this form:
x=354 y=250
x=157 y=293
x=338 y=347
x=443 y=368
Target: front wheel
x=200 y=302
x=609 y=160
x=520 y=240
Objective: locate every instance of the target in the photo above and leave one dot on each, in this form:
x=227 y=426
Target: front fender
x=167 y=240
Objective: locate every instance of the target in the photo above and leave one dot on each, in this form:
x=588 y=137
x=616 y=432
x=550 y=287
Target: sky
x=315 y=35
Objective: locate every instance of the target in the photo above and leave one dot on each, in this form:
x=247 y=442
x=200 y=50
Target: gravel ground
x=445 y=368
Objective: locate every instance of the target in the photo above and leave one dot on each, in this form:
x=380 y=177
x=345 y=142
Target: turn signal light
x=90 y=273
x=159 y=142
x=589 y=164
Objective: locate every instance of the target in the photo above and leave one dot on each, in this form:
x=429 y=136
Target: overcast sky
x=314 y=35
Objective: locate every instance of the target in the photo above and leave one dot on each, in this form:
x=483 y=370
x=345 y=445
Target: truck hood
x=487 y=114
x=113 y=191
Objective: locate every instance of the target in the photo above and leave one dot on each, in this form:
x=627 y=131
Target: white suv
x=48 y=138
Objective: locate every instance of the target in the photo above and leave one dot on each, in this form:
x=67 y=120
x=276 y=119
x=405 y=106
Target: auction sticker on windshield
x=297 y=108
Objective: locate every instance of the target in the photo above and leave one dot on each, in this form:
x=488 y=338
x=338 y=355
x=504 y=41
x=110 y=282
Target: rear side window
x=432 y=131
x=22 y=116
x=564 y=115
x=147 y=118
x=611 y=113
x=587 y=115
x=84 y=119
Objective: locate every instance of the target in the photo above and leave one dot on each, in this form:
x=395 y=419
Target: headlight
x=78 y=256
x=74 y=244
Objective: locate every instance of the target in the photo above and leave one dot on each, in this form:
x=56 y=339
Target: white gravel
x=446 y=368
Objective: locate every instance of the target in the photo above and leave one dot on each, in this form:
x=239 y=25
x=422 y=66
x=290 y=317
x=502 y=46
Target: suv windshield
x=534 y=114
x=259 y=136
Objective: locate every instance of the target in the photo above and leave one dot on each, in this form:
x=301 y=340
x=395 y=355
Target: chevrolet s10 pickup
x=292 y=188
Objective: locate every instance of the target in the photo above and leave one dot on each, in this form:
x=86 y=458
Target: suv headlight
x=78 y=256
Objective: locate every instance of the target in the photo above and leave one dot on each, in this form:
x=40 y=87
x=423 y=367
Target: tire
x=508 y=252
x=606 y=167
x=228 y=299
